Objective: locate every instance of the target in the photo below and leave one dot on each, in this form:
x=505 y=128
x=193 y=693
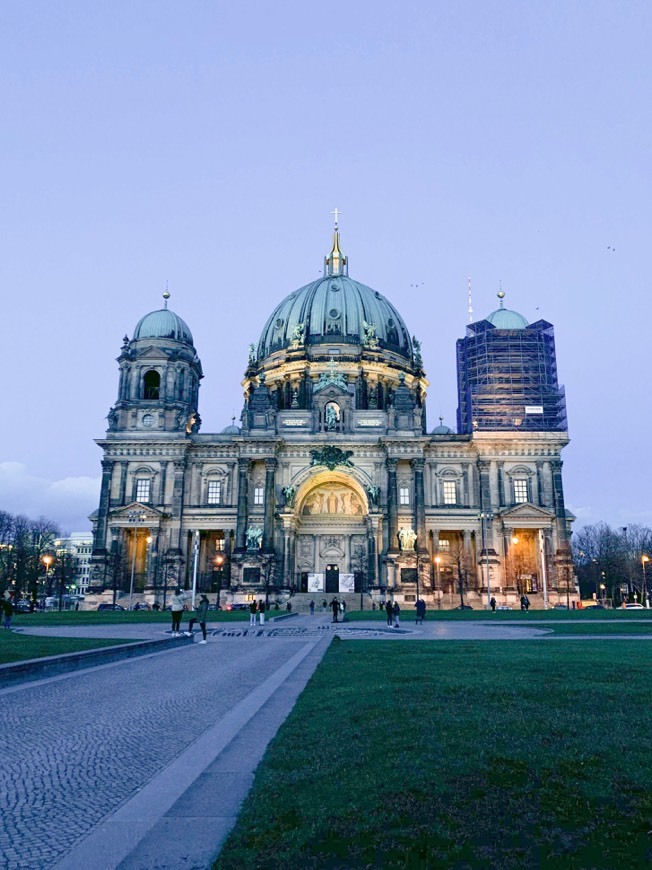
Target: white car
x=634 y=607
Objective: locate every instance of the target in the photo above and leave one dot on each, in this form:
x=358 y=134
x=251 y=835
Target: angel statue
x=370 y=339
x=407 y=537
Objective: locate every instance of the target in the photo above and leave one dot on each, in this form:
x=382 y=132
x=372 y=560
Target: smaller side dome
x=505 y=318
x=441 y=429
x=231 y=430
x=163 y=324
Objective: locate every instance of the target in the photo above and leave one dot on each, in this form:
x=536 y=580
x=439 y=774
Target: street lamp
x=47 y=561
x=134 y=517
x=602 y=589
x=644 y=560
x=486 y=517
x=438 y=567
x=219 y=567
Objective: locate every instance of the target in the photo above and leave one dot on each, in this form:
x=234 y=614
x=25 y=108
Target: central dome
x=335 y=309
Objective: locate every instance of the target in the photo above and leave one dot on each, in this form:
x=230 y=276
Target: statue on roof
x=369 y=340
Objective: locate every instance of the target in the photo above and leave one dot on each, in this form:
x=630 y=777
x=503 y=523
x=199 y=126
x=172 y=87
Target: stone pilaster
x=243 y=505
x=419 y=504
x=99 y=543
x=270 y=504
x=392 y=506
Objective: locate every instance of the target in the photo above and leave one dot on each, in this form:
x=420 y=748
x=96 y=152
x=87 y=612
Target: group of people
x=339 y=609
x=257 y=607
x=201 y=614
x=393 y=611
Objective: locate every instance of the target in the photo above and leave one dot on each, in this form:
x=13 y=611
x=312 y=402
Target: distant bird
x=609 y=248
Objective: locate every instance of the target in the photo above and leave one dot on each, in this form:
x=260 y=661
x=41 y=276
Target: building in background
x=78 y=546
x=332 y=483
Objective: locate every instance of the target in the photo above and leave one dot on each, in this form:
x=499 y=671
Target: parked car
x=214 y=606
x=503 y=607
x=110 y=607
x=560 y=607
x=634 y=607
x=463 y=607
x=22 y=606
x=238 y=606
x=140 y=605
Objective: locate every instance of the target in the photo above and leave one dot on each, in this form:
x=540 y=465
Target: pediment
x=152 y=352
x=527 y=511
x=148 y=513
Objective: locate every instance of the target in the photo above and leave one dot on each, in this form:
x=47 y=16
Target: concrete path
x=143 y=764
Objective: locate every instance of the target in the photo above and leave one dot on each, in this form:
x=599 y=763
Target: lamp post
x=438 y=580
x=219 y=568
x=644 y=599
x=47 y=561
x=134 y=518
x=486 y=517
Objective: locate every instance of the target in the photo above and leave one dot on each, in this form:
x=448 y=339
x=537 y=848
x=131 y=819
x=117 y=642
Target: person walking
x=389 y=610
x=261 y=611
x=421 y=611
x=335 y=607
x=492 y=604
x=177 y=608
x=253 y=610
x=397 y=613
x=7 y=610
x=200 y=617
x=312 y=608
x=343 y=610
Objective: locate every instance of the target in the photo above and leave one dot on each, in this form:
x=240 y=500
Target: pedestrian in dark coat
x=262 y=607
x=492 y=604
x=397 y=613
x=335 y=607
x=253 y=610
x=421 y=611
x=200 y=617
x=7 y=611
x=389 y=610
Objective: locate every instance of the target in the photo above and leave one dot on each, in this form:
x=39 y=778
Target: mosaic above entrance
x=333 y=499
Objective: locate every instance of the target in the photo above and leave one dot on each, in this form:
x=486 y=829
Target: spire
x=501 y=295
x=166 y=295
x=336 y=263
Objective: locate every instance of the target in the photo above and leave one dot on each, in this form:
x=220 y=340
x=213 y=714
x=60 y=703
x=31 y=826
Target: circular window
x=334 y=313
x=390 y=322
x=148 y=420
x=335 y=287
x=279 y=322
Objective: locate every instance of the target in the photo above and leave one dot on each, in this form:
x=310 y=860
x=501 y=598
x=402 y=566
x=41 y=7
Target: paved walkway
x=143 y=764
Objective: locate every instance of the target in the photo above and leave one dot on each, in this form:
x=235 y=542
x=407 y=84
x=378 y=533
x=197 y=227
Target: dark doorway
x=332 y=578
x=304 y=581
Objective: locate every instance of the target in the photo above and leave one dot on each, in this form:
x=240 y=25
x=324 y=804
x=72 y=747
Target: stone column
x=243 y=504
x=177 y=502
x=419 y=503
x=539 y=488
x=99 y=543
x=270 y=504
x=392 y=506
x=122 y=499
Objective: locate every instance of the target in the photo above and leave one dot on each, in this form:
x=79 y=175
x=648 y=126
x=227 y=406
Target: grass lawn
x=621 y=627
x=459 y=754
x=111 y=617
x=408 y=615
x=19 y=647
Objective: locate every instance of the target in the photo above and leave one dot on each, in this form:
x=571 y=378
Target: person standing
x=200 y=617
x=389 y=610
x=421 y=611
x=253 y=609
x=492 y=604
x=312 y=608
x=261 y=611
x=335 y=607
x=7 y=610
x=177 y=608
x=343 y=610
x=397 y=613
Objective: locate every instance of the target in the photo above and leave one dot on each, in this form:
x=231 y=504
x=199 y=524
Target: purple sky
x=205 y=144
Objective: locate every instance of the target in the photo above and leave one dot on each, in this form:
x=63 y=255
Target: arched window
x=152 y=382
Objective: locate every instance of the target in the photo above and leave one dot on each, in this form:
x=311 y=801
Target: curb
x=52 y=666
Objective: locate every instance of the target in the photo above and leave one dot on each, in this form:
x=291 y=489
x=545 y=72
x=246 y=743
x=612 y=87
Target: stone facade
x=331 y=483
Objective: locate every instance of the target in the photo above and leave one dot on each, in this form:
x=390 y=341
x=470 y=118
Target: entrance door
x=332 y=578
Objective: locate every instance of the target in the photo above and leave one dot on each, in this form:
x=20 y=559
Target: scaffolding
x=507 y=379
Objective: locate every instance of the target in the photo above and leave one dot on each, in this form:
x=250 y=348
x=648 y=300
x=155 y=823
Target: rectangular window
x=450 y=492
x=214 y=492
x=520 y=490
x=219 y=545
x=403 y=495
x=444 y=544
x=143 y=488
x=259 y=495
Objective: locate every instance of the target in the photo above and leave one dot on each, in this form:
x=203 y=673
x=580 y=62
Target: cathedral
x=332 y=483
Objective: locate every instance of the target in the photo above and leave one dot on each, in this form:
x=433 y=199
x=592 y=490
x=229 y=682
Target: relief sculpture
x=333 y=500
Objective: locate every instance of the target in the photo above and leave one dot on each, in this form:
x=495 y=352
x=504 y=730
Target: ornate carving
x=369 y=340
x=297 y=338
x=331 y=377
x=333 y=499
x=374 y=495
x=331 y=457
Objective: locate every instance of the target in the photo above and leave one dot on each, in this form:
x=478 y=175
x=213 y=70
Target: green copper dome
x=504 y=318
x=335 y=309
x=163 y=324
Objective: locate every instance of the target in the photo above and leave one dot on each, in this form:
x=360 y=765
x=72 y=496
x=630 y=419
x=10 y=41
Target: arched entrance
x=332 y=534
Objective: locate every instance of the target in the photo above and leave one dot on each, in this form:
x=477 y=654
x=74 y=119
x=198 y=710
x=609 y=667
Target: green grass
x=458 y=754
x=111 y=617
x=408 y=615
x=16 y=647
x=607 y=628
